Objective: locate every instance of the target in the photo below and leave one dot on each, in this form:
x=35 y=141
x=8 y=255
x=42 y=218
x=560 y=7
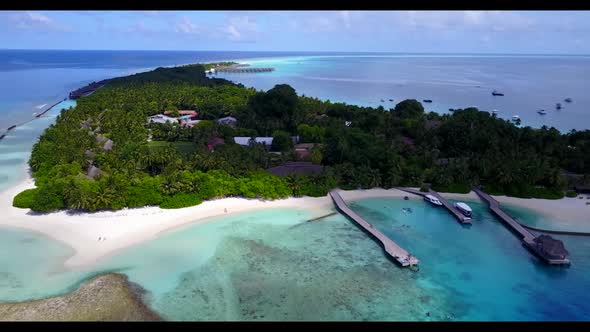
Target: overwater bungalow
x=549 y=248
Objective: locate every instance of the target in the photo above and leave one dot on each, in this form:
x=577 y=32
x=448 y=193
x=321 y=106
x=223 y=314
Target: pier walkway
x=242 y=70
x=394 y=250
x=460 y=216
x=495 y=207
x=529 y=240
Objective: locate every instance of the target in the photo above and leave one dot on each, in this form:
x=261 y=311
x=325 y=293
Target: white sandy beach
x=128 y=227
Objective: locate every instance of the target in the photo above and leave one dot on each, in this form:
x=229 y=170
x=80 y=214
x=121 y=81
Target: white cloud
x=36 y=21
x=485 y=20
x=186 y=26
x=241 y=29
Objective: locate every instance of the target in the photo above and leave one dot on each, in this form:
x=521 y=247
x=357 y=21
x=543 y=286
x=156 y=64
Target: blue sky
x=345 y=31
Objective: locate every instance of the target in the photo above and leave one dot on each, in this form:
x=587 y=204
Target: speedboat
x=433 y=200
x=542 y=112
x=464 y=208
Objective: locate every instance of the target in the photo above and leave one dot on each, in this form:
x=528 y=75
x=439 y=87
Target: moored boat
x=496 y=93
x=463 y=208
x=433 y=200
x=568 y=100
x=515 y=117
x=542 y=112
x=558 y=106
x=427 y=100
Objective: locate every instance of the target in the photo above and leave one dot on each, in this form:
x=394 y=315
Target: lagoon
x=270 y=265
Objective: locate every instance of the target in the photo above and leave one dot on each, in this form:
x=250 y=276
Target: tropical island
x=173 y=138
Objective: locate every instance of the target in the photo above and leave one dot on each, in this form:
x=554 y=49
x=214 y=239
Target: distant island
x=173 y=137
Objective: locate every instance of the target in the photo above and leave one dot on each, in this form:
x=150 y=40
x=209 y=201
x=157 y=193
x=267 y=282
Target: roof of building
x=246 y=140
x=93 y=172
x=551 y=247
x=227 y=119
x=184 y=112
x=216 y=141
x=306 y=146
x=296 y=167
x=163 y=117
x=302 y=153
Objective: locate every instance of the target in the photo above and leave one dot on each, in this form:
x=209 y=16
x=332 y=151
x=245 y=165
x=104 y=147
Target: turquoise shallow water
x=271 y=265
x=15 y=148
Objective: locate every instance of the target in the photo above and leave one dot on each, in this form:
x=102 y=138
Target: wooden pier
x=395 y=251
x=242 y=70
x=88 y=89
x=529 y=240
x=495 y=208
x=464 y=220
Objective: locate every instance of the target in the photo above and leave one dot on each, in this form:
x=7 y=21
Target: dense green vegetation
x=362 y=147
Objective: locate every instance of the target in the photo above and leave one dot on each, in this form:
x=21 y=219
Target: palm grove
x=360 y=147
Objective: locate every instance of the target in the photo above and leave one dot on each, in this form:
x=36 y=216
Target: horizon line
x=243 y=51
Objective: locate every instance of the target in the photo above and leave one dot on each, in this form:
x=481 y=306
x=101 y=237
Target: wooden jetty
x=88 y=89
x=48 y=109
x=243 y=69
x=529 y=239
x=395 y=251
x=460 y=216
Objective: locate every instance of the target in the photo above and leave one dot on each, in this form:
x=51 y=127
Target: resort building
x=213 y=142
x=161 y=118
x=189 y=113
x=261 y=140
x=228 y=121
x=247 y=140
x=189 y=123
x=303 y=151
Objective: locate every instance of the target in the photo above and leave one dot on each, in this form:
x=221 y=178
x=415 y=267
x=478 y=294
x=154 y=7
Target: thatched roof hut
x=551 y=247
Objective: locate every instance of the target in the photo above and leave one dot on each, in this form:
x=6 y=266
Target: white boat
x=464 y=208
x=515 y=117
x=432 y=199
x=494 y=111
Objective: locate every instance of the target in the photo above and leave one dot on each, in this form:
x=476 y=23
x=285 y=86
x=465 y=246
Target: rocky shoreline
x=108 y=297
